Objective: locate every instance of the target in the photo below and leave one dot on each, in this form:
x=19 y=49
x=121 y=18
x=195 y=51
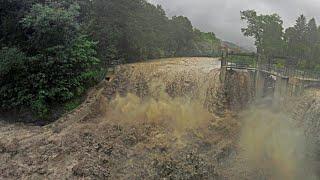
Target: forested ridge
x=53 y=51
x=132 y=30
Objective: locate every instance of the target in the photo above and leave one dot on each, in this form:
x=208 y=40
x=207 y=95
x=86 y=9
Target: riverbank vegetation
x=51 y=52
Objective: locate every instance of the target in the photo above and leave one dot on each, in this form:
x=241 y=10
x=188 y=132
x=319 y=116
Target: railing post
x=224 y=59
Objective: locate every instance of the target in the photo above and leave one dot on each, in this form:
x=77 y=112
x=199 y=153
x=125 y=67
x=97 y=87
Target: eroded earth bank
x=170 y=119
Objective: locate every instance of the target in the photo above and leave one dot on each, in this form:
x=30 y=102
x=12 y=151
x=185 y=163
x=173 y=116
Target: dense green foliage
x=300 y=44
x=137 y=30
x=205 y=44
x=52 y=51
x=242 y=60
x=48 y=62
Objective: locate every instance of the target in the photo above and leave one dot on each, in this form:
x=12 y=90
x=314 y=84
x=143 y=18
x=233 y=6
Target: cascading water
x=167 y=119
x=192 y=79
x=189 y=98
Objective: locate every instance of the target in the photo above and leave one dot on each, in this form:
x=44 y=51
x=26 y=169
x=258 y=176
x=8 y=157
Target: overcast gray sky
x=223 y=16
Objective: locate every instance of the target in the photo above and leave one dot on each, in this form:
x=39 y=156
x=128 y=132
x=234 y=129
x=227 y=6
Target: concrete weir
x=268 y=84
x=269 y=80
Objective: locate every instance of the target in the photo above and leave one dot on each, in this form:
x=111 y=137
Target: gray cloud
x=223 y=16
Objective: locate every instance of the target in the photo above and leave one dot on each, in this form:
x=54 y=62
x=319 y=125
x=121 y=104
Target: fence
x=236 y=61
x=290 y=72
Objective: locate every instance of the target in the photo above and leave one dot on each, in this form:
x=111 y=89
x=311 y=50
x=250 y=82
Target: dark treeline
x=137 y=30
x=300 y=43
x=52 y=51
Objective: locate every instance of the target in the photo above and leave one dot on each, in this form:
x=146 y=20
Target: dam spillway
x=172 y=118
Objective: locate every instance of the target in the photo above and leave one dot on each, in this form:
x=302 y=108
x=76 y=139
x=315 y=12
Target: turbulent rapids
x=169 y=119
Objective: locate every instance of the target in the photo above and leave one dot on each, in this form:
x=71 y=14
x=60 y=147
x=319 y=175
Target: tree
x=182 y=34
x=206 y=44
x=296 y=38
x=11 y=11
x=254 y=27
x=50 y=28
x=47 y=56
x=312 y=41
x=272 y=37
x=55 y=66
x=267 y=31
x=302 y=41
x=137 y=30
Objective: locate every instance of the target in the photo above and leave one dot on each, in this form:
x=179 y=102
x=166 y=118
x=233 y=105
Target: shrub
x=12 y=68
x=56 y=67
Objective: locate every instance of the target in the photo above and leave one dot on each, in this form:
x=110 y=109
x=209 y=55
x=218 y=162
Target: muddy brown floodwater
x=163 y=119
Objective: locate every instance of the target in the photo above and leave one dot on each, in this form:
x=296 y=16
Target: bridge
x=269 y=78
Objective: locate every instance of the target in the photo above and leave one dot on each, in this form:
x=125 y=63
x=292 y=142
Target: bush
x=51 y=26
x=11 y=61
x=12 y=68
x=57 y=66
x=39 y=82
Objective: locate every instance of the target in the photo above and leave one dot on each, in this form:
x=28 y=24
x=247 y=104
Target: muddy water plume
x=178 y=114
x=274 y=146
x=170 y=94
x=179 y=105
x=193 y=80
x=183 y=98
x=271 y=143
x=167 y=119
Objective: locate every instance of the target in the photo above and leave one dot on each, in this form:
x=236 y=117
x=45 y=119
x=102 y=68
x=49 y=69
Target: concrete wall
x=266 y=85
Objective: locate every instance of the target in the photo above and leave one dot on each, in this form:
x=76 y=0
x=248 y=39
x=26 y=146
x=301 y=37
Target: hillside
x=234 y=47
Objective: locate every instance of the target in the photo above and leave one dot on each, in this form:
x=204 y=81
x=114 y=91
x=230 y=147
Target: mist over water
x=272 y=144
x=179 y=113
